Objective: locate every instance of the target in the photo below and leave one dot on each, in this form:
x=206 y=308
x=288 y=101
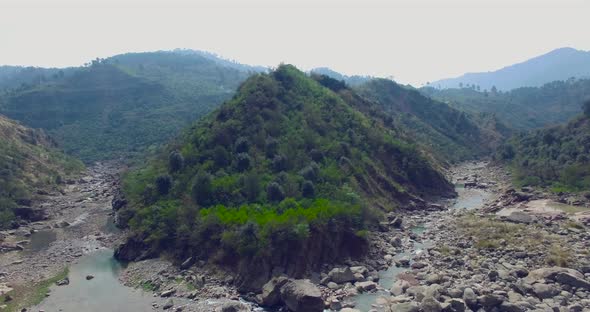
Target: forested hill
x=29 y=163
x=557 y=157
x=559 y=64
x=285 y=175
x=523 y=108
x=126 y=104
x=449 y=134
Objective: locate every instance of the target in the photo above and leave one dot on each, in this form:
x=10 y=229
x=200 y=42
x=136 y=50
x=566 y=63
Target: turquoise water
x=40 y=241
x=470 y=198
x=102 y=293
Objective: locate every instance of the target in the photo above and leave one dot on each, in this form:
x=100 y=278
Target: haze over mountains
x=559 y=64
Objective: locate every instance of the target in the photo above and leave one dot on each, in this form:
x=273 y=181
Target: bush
x=307 y=189
x=251 y=187
x=242 y=162
x=274 y=192
x=587 y=108
x=175 y=161
x=163 y=184
x=279 y=163
x=242 y=145
x=221 y=157
x=310 y=172
x=202 y=189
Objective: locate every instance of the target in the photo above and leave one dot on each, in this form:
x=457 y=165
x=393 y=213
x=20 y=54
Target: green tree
x=275 y=192
x=163 y=184
x=202 y=189
x=175 y=161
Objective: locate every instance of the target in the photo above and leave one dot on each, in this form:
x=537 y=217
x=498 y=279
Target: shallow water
x=470 y=198
x=40 y=241
x=102 y=293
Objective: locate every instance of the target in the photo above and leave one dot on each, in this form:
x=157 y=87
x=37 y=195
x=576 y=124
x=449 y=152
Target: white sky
x=414 y=41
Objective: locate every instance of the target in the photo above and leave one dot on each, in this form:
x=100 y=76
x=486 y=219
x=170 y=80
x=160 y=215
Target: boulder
x=453 y=305
x=405 y=307
x=573 y=280
x=429 y=304
x=302 y=296
x=470 y=298
x=233 y=306
x=519 y=217
x=341 y=275
x=490 y=301
x=271 y=291
x=545 y=291
x=169 y=304
x=365 y=286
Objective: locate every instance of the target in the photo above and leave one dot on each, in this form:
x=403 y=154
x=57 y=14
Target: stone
x=187 y=263
x=271 y=291
x=233 y=306
x=433 y=279
x=399 y=287
x=519 y=217
x=453 y=305
x=470 y=298
x=490 y=301
x=169 y=304
x=545 y=291
x=418 y=265
x=302 y=296
x=359 y=270
x=429 y=304
x=341 y=275
x=89 y=277
x=405 y=307
x=349 y=310
x=366 y=286
x=335 y=304
x=572 y=280
x=416 y=291
x=63 y=282
x=167 y=293
x=510 y=307
x=332 y=285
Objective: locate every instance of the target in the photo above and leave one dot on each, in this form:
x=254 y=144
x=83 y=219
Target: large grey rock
x=510 y=307
x=453 y=305
x=233 y=306
x=271 y=291
x=470 y=298
x=302 y=296
x=550 y=273
x=545 y=291
x=572 y=280
x=430 y=304
x=365 y=286
x=490 y=301
x=519 y=217
x=405 y=307
x=341 y=275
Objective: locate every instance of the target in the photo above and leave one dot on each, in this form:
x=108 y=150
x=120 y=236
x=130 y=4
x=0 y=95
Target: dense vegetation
x=28 y=163
x=449 y=134
x=557 y=157
x=524 y=108
x=286 y=171
x=123 y=105
x=354 y=80
x=560 y=64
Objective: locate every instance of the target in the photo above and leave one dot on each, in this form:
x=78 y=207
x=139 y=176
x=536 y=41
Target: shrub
x=587 y=108
x=251 y=187
x=163 y=184
x=310 y=172
x=221 y=156
x=307 y=189
x=175 y=161
x=279 y=163
x=242 y=162
x=202 y=189
x=242 y=145
x=274 y=192
x=316 y=155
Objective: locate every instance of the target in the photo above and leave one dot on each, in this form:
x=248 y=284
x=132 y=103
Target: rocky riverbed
x=493 y=248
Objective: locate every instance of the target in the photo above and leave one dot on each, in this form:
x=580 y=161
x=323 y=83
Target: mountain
x=18 y=76
x=126 y=104
x=523 y=108
x=29 y=164
x=284 y=176
x=449 y=134
x=354 y=80
x=559 y=64
x=557 y=157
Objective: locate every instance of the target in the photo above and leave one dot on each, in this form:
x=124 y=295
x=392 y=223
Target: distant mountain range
x=559 y=64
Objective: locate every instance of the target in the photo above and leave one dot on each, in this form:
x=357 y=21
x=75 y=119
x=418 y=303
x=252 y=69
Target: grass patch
x=559 y=256
x=148 y=286
x=24 y=297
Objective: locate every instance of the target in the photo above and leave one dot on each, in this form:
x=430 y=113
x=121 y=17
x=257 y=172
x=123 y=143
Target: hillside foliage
x=557 y=157
x=523 y=108
x=124 y=105
x=273 y=170
x=29 y=163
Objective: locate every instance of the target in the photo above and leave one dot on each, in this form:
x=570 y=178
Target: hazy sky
x=414 y=41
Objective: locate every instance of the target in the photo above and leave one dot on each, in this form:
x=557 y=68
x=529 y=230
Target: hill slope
x=558 y=157
x=29 y=163
x=522 y=108
x=449 y=134
x=285 y=175
x=125 y=104
x=559 y=64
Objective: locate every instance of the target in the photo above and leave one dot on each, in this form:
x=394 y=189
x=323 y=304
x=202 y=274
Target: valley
x=486 y=247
